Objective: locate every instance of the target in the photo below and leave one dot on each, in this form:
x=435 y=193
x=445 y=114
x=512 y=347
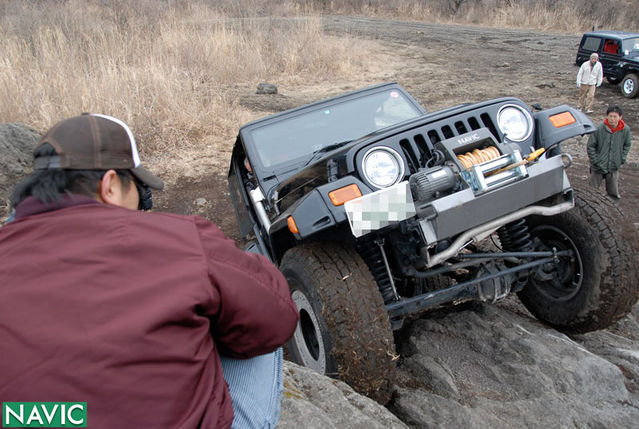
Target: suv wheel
x=594 y=287
x=344 y=330
x=630 y=85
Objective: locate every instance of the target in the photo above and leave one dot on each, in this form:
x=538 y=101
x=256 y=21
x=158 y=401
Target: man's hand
x=578 y=85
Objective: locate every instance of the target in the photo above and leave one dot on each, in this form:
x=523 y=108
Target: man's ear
x=109 y=188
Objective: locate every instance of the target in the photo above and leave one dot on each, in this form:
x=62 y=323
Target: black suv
x=619 y=54
x=375 y=211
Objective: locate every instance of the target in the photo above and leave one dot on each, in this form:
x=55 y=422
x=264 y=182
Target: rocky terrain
x=475 y=365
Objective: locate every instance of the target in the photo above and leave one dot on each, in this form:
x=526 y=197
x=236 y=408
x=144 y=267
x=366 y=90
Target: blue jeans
x=256 y=386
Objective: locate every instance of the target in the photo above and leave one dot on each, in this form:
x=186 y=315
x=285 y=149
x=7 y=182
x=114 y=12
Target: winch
x=475 y=160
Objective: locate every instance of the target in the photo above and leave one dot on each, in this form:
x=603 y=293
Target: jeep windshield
x=297 y=138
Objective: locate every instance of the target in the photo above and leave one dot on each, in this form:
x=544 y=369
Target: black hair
x=49 y=185
x=615 y=108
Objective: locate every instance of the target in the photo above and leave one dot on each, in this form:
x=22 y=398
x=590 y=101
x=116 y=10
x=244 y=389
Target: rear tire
x=597 y=286
x=629 y=85
x=344 y=330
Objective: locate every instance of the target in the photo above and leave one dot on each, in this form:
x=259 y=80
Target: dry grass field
x=173 y=69
x=571 y=16
x=169 y=69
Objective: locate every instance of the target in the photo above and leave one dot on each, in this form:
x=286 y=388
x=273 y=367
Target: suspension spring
x=372 y=255
x=515 y=237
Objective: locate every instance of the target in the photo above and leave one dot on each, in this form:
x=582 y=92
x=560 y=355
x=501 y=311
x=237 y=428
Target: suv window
x=630 y=46
x=591 y=43
x=611 y=46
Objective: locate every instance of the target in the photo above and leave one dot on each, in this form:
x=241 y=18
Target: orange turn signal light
x=291 y=225
x=347 y=193
x=562 y=119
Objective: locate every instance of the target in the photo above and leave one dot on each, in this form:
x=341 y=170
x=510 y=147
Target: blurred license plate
x=379 y=209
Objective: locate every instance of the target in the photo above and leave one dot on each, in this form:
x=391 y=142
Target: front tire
x=629 y=85
x=344 y=330
x=594 y=287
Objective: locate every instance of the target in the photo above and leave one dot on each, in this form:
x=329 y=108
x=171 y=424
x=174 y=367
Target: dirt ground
x=440 y=66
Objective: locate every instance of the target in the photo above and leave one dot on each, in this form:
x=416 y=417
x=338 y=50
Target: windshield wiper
x=330 y=147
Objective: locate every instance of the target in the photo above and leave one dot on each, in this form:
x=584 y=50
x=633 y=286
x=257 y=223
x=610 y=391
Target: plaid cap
x=94 y=142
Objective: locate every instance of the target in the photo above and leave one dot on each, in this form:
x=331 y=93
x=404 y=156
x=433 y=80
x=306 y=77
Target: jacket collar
x=620 y=126
x=30 y=206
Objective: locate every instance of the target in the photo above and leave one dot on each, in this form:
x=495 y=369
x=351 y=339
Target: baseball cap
x=94 y=142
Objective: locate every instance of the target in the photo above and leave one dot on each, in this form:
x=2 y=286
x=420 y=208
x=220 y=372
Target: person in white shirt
x=589 y=77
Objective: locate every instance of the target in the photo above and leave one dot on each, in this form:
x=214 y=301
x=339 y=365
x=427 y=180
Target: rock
x=17 y=142
x=491 y=367
x=435 y=375
x=485 y=366
x=618 y=345
x=266 y=88
x=313 y=401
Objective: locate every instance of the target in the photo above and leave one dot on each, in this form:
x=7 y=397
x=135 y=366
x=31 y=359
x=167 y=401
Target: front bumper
x=451 y=215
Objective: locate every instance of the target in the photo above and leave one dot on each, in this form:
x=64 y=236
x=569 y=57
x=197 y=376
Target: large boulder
x=479 y=366
x=16 y=146
x=488 y=366
x=313 y=401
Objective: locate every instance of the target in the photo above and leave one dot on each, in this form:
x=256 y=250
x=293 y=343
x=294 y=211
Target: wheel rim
x=559 y=281
x=308 y=337
x=628 y=86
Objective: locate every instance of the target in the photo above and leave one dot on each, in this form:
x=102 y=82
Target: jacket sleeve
x=579 y=73
x=599 y=74
x=256 y=314
x=592 y=147
x=626 y=146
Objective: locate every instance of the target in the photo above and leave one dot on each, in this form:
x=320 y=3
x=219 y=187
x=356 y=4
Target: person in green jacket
x=608 y=149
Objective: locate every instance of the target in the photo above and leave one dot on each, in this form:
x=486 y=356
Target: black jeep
x=375 y=211
x=619 y=55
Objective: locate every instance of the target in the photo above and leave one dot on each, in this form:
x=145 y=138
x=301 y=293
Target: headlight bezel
x=528 y=117
x=397 y=158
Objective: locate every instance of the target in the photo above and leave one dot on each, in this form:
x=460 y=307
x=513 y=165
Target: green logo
x=44 y=414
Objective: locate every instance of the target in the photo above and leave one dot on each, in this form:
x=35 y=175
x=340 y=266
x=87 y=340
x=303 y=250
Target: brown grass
x=167 y=68
x=574 y=16
x=173 y=69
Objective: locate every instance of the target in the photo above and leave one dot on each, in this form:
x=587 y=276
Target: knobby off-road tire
x=344 y=330
x=599 y=284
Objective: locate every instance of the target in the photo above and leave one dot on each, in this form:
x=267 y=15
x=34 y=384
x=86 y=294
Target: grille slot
x=434 y=137
x=411 y=154
x=461 y=127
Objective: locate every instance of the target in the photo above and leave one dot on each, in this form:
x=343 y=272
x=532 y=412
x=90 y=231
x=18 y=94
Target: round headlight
x=514 y=122
x=383 y=167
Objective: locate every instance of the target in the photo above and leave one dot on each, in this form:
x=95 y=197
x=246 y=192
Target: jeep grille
x=419 y=143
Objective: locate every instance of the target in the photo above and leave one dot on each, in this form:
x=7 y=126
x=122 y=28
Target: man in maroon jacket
x=125 y=310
